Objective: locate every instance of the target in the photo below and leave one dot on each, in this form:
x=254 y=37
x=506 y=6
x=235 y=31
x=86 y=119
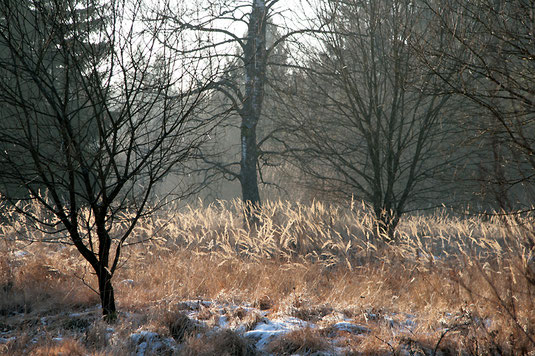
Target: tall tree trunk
x=255 y=75
x=105 y=288
x=107 y=296
x=100 y=266
x=248 y=175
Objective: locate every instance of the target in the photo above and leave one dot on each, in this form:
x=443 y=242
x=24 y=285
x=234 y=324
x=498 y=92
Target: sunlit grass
x=467 y=281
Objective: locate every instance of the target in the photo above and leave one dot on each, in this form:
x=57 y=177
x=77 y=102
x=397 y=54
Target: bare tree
x=367 y=122
x=95 y=114
x=247 y=56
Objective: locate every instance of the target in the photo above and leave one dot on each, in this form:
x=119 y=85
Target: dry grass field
x=311 y=280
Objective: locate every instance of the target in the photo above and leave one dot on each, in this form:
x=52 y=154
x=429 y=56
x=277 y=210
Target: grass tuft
x=301 y=341
x=224 y=342
x=180 y=326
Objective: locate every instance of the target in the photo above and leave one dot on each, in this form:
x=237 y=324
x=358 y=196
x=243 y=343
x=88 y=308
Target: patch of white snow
x=148 y=341
x=267 y=330
x=351 y=328
x=128 y=282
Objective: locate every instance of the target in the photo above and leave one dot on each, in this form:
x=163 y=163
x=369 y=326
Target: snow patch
x=351 y=328
x=151 y=342
x=128 y=282
x=267 y=330
x=5 y=340
x=20 y=254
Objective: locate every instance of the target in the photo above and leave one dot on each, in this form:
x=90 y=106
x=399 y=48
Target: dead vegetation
x=450 y=285
x=224 y=342
x=301 y=341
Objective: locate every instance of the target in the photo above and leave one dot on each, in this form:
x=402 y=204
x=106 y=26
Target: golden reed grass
x=467 y=281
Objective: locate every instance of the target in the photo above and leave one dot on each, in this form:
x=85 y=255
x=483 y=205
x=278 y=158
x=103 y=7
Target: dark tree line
x=489 y=59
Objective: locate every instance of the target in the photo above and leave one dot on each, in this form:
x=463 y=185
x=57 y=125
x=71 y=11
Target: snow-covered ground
x=268 y=325
x=259 y=327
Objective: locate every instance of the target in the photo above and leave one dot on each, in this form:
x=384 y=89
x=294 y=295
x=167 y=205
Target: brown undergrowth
x=464 y=284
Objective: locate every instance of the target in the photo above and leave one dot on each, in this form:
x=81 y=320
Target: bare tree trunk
x=255 y=55
x=248 y=175
x=104 y=275
x=107 y=297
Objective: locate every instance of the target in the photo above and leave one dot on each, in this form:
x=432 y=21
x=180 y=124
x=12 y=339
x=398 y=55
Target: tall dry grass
x=467 y=281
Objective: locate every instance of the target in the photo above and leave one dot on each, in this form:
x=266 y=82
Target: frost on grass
x=267 y=330
x=152 y=343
